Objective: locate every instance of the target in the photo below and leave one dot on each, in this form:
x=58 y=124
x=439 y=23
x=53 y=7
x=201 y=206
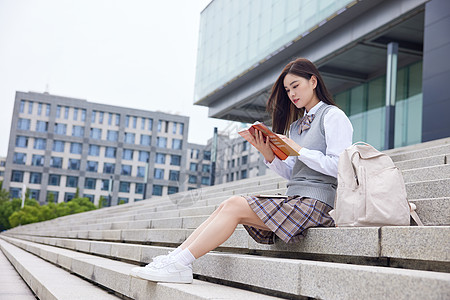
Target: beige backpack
x=370 y=191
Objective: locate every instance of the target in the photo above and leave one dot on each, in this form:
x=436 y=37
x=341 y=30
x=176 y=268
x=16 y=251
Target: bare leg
x=234 y=211
x=200 y=228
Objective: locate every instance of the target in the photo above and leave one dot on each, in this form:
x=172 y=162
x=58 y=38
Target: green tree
x=51 y=198
x=77 y=193
x=102 y=202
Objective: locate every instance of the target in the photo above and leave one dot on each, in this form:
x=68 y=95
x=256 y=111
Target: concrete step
x=419 y=146
x=329 y=243
x=421 y=153
x=300 y=277
x=433 y=211
x=428 y=189
x=115 y=276
x=49 y=281
x=435 y=160
x=12 y=286
x=426 y=173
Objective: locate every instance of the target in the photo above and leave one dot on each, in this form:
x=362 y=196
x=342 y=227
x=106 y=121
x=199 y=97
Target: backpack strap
x=414 y=215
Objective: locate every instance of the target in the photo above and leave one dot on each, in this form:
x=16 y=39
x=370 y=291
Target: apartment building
x=2 y=167
x=61 y=146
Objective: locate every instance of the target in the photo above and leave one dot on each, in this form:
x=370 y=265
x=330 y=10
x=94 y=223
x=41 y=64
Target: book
x=280 y=148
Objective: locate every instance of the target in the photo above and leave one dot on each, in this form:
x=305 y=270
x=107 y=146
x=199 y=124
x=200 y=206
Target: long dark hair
x=283 y=111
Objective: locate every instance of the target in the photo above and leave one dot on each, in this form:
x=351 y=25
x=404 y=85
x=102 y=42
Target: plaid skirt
x=287 y=218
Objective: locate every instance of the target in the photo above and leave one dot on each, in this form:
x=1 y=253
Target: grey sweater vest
x=306 y=182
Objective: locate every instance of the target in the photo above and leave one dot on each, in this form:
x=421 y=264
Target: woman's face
x=301 y=91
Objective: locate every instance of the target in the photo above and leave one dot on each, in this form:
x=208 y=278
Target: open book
x=279 y=147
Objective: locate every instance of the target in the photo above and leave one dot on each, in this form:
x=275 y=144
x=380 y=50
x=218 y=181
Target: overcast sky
x=135 y=53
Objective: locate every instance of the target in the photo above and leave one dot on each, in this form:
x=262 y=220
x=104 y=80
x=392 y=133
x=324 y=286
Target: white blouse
x=338 y=135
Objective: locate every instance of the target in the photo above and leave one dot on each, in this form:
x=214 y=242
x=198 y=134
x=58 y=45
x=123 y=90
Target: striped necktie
x=305 y=123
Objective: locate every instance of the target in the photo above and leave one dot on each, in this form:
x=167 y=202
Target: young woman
x=320 y=135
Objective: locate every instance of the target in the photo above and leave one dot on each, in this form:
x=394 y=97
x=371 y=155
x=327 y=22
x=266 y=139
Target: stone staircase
x=91 y=254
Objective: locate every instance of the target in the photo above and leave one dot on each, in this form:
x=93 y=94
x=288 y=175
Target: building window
x=19 y=158
x=56 y=162
x=243 y=174
x=15 y=192
x=72 y=181
x=129 y=138
x=54 y=179
x=112 y=135
x=192 y=179
x=68 y=196
x=100 y=117
x=54 y=194
x=110 y=117
x=150 y=124
x=76 y=148
x=166 y=129
x=16 y=176
x=160 y=158
x=122 y=200
x=91 y=166
x=174 y=128
x=245 y=145
x=30 y=107
x=75 y=114
x=58 y=111
x=37 y=160
x=58 y=146
x=105 y=185
x=22 y=106
x=74 y=164
x=244 y=159
x=181 y=128
x=205 y=180
x=139 y=188
x=96 y=133
x=144 y=156
x=117 y=119
x=94 y=113
x=108 y=168
x=172 y=190
x=157 y=190
x=140 y=172
x=110 y=152
x=78 y=131
x=83 y=115
x=126 y=170
x=66 y=113
x=40 y=144
x=134 y=122
x=146 y=140
x=206 y=168
x=41 y=126
x=175 y=160
x=207 y=155
x=177 y=144
x=159 y=125
x=127 y=154
x=47 y=110
x=174 y=175
x=94 y=150
x=34 y=194
x=35 y=177
x=124 y=187
x=193 y=167
x=23 y=124
x=21 y=141
x=90 y=197
x=159 y=173
x=60 y=128
x=89 y=183
x=161 y=142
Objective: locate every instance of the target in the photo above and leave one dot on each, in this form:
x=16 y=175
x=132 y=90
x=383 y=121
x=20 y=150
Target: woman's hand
x=291 y=143
x=263 y=146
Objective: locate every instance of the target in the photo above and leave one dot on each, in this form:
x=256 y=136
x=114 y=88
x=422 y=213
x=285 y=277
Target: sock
x=176 y=251
x=185 y=257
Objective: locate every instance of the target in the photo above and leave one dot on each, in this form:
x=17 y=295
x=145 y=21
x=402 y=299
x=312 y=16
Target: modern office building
x=386 y=62
x=2 y=167
x=60 y=146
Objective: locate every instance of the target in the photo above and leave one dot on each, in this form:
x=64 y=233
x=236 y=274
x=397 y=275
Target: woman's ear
x=313 y=81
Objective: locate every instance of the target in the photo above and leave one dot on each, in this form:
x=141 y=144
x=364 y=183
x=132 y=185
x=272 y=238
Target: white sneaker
x=167 y=270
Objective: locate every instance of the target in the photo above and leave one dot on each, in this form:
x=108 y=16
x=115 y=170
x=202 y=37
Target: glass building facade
x=237 y=35
x=365 y=106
